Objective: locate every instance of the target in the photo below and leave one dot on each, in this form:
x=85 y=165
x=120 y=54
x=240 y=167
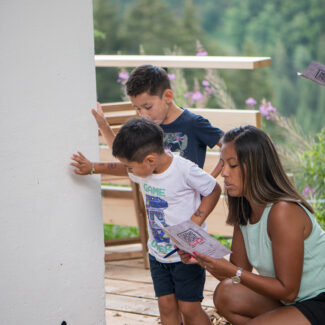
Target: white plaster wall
x=51 y=235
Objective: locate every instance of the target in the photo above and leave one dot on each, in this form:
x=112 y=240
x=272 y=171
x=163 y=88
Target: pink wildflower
x=270 y=107
x=308 y=192
x=263 y=110
x=209 y=90
x=202 y=53
x=250 y=102
x=197 y=96
x=171 y=76
x=123 y=77
x=268 y=110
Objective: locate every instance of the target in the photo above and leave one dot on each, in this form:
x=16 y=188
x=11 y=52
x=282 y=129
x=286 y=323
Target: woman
x=274 y=232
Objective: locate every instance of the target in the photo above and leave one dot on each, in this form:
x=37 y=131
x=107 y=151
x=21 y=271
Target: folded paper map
x=189 y=237
x=315 y=72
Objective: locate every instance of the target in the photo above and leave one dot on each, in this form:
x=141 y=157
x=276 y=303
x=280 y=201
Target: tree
x=151 y=24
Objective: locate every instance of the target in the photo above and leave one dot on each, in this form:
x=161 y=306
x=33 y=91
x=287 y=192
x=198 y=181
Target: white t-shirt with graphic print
x=173 y=197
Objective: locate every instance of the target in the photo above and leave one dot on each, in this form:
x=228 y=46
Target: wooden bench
x=121 y=198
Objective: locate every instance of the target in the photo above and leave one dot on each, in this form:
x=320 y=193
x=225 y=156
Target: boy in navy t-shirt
x=185 y=133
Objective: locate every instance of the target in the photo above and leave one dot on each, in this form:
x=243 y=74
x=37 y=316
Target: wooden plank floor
x=130 y=298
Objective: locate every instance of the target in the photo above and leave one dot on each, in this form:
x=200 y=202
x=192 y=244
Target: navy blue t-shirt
x=190 y=134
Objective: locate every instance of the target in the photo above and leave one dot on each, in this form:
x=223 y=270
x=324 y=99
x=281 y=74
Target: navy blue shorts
x=313 y=309
x=184 y=280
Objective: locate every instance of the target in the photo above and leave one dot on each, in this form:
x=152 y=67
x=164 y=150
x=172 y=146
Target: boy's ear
x=168 y=95
x=150 y=159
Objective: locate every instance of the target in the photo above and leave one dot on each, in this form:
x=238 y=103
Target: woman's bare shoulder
x=287 y=216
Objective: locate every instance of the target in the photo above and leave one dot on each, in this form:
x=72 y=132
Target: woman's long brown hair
x=263 y=176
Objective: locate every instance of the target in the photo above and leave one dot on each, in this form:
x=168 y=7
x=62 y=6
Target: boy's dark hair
x=137 y=138
x=147 y=78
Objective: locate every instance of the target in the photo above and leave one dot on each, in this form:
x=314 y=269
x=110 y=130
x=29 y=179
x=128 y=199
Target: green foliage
x=314 y=164
x=98 y=34
x=224 y=240
x=152 y=24
x=146 y=26
x=107 y=19
x=115 y=231
x=314 y=175
x=319 y=207
x=292 y=34
x=252 y=82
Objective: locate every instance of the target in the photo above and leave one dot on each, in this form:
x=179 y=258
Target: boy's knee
x=167 y=305
x=223 y=294
x=190 y=309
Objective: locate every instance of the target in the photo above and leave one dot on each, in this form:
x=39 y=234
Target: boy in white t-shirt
x=172 y=187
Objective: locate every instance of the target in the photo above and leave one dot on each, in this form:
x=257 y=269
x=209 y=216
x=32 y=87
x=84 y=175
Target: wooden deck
x=130 y=298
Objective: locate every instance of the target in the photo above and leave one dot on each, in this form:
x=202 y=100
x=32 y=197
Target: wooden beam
x=228 y=119
x=173 y=61
x=123 y=256
x=115 y=192
x=117 y=107
x=122 y=241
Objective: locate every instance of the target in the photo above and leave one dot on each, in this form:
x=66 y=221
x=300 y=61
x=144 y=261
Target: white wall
x=51 y=235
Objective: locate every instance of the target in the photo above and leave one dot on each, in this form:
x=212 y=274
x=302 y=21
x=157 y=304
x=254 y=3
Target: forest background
x=291 y=32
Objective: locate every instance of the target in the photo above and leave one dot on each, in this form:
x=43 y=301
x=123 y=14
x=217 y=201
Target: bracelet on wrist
x=92 y=171
x=237 y=278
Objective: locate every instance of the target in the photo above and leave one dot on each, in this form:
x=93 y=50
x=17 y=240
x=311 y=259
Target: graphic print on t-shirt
x=155 y=208
x=176 y=142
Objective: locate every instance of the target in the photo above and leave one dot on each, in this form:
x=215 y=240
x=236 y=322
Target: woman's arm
x=288 y=226
x=221 y=268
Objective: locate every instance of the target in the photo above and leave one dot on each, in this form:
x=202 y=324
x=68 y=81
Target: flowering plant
x=314 y=174
x=300 y=154
x=211 y=88
x=290 y=139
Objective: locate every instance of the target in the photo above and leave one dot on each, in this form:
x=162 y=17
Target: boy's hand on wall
x=104 y=126
x=99 y=117
x=82 y=164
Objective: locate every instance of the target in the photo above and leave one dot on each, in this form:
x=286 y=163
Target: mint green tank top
x=259 y=251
